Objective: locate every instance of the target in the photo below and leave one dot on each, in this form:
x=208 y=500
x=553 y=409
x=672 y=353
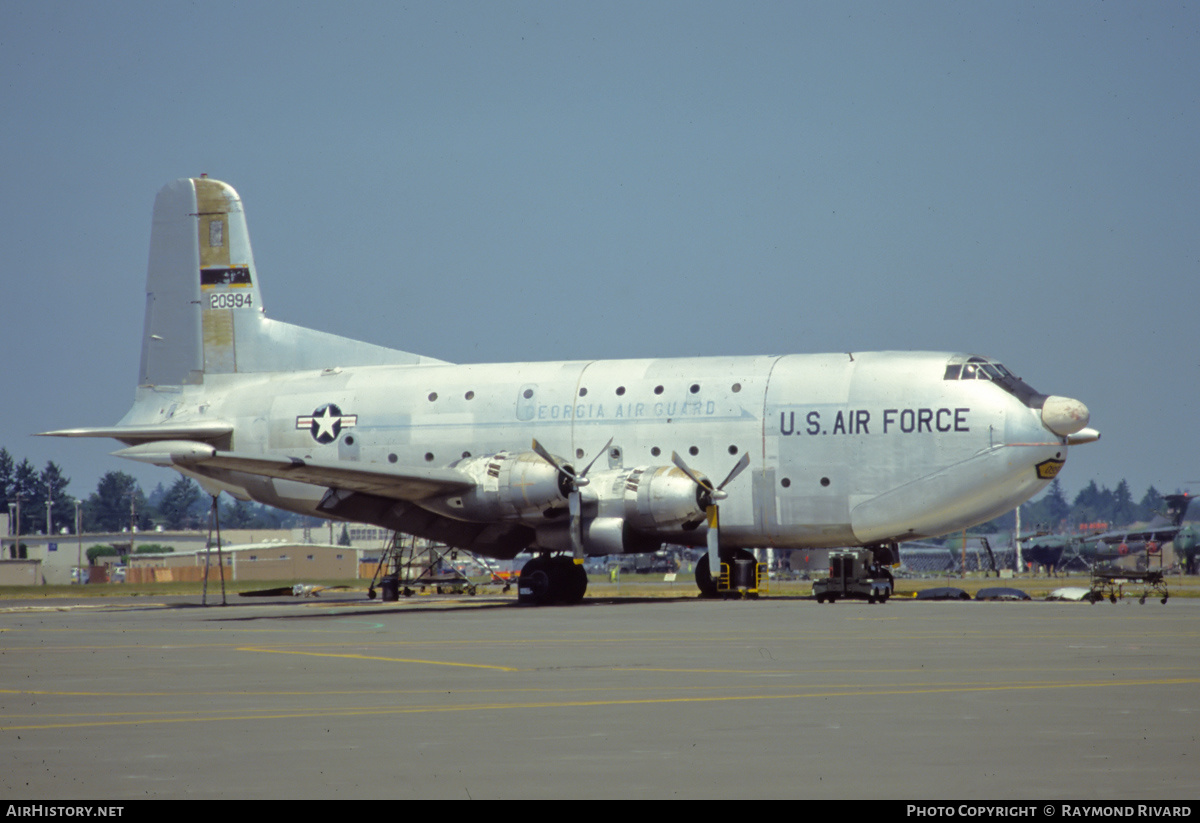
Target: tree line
x=1094 y=507
x=118 y=502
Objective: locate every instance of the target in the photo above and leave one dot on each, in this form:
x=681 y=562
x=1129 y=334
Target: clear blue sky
x=497 y=181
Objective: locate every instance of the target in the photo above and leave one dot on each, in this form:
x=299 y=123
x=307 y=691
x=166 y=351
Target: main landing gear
x=550 y=579
x=741 y=564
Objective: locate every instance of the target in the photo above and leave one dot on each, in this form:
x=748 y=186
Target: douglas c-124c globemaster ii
x=818 y=450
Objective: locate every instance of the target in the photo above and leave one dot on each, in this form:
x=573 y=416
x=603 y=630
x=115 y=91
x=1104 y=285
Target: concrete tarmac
x=154 y=697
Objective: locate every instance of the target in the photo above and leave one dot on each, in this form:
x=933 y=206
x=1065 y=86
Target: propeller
x=574 y=499
x=709 y=500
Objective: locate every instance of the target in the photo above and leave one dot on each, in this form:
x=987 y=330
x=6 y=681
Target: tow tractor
x=854 y=574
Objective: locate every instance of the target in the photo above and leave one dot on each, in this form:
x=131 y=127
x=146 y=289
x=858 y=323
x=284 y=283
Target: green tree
x=1092 y=504
x=1048 y=512
x=95 y=552
x=1152 y=504
x=62 y=505
x=1124 y=511
x=108 y=508
x=239 y=515
x=178 y=505
x=32 y=496
x=7 y=472
x=1056 y=508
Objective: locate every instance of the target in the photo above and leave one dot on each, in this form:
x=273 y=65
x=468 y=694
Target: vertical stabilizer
x=204 y=314
x=201 y=272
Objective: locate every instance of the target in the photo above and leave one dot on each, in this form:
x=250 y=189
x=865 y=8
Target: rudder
x=201 y=271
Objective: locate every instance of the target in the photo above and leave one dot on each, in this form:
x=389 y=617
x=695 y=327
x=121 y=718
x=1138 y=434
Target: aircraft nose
x=1064 y=416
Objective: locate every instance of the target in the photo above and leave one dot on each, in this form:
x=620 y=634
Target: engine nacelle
x=656 y=499
x=623 y=510
x=508 y=486
x=628 y=511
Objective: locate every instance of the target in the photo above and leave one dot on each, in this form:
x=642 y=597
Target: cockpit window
x=980 y=368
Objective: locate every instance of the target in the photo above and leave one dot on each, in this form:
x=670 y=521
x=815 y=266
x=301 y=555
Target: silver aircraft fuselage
x=845 y=449
x=588 y=457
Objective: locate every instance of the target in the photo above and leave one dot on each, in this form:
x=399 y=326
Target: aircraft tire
x=704 y=580
x=568 y=580
x=534 y=586
x=580 y=582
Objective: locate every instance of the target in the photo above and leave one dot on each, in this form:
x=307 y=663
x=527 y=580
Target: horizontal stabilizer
x=211 y=432
x=396 y=482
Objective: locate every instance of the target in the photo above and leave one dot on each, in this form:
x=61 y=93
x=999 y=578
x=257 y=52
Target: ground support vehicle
x=1110 y=584
x=854 y=574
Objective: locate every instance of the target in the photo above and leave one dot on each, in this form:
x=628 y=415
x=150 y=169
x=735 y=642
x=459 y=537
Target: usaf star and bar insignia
x=326 y=423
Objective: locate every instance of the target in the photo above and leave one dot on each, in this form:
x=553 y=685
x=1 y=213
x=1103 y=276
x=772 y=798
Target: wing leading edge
x=406 y=483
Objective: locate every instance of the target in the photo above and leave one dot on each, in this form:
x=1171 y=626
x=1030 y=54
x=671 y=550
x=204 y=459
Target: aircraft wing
x=396 y=482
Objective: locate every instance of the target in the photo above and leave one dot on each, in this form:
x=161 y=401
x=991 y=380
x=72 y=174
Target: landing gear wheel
x=533 y=585
x=546 y=580
x=568 y=580
x=579 y=582
x=704 y=579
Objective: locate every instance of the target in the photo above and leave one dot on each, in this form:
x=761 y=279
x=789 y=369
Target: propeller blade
x=575 y=507
x=541 y=452
x=574 y=498
x=713 y=539
x=702 y=483
x=738 y=469
x=587 y=468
